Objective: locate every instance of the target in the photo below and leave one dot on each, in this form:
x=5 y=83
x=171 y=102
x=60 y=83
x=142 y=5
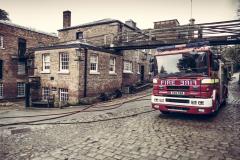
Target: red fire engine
x=191 y=79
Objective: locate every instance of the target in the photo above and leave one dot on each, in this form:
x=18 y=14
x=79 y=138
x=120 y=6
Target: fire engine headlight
x=155 y=80
x=158 y=99
x=200 y=102
x=161 y=87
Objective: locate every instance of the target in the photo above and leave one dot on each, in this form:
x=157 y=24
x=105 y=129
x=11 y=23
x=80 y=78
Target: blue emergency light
x=189 y=45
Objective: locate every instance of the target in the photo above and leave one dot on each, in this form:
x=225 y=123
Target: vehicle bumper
x=189 y=106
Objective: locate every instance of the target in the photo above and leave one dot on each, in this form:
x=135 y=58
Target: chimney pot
x=66 y=19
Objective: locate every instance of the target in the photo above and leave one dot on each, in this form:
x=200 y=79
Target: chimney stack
x=192 y=21
x=66 y=19
x=131 y=23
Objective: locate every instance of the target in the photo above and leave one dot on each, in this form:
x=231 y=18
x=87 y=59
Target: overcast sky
x=46 y=15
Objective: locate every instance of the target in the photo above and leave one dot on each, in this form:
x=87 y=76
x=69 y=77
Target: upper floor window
x=112 y=64
x=22 y=45
x=46 y=62
x=20 y=89
x=1 y=69
x=64 y=62
x=79 y=35
x=1 y=90
x=1 y=41
x=93 y=64
x=127 y=67
x=21 y=68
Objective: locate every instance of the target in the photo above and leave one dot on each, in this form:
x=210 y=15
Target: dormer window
x=79 y=35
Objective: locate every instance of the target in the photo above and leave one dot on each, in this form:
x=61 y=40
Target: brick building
x=98 y=71
x=14 y=42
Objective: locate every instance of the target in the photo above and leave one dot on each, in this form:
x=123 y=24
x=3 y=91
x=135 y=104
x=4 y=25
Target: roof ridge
x=26 y=28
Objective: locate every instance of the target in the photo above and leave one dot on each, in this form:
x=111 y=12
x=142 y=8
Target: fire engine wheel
x=217 y=105
x=164 y=112
x=217 y=108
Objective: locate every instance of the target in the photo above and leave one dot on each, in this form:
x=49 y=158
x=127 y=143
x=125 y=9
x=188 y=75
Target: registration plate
x=177 y=93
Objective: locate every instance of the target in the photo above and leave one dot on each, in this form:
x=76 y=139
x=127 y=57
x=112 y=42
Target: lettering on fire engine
x=168 y=82
x=188 y=82
x=180 y=82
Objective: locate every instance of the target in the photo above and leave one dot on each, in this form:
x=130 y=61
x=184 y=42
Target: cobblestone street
x=131 y=131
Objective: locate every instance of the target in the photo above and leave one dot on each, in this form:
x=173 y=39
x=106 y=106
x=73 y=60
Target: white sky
x=46 y=15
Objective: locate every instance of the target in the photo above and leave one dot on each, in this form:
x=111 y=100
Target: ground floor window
x=63 y=94
x=127 y=67
x=20 y=89
x=45 y=93
x=1 y=90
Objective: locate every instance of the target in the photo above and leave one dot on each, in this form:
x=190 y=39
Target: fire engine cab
x=191 y=79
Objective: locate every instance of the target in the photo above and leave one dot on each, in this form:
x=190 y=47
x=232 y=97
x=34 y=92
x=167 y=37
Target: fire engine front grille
x=177 y=100
x=180 y=96
x=177 y=108
x=178 y=87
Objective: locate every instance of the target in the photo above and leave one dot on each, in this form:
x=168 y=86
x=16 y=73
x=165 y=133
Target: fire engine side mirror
x=215 y=66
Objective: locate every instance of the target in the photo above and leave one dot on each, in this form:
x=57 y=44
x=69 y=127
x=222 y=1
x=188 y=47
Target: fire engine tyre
x=165 y=112
x=218 y=105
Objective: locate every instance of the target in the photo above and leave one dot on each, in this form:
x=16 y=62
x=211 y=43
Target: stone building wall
x=92 y=34
x=97 y=83
x=9 y=54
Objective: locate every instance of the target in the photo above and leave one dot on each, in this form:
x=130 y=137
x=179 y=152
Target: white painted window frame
x=95 y=63
x=21 y=68
x=64 y=61
x=113 y=65
x=20 y=89
x=46 y=63
x=126 y=68
x=1 y=42
x=63 y=95
x=46 y=91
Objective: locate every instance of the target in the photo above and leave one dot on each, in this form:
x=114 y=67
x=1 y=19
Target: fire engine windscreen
x=183 y=64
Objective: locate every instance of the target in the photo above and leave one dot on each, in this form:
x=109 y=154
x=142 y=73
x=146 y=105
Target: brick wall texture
x=10 y=52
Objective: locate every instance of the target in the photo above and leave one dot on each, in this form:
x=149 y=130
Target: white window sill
x=21 y=96
x=2 y=48
x=112 y=73
x=130 y=72
x=45 y=72
x=138 y=72
x=94 y=72
x=64 y=72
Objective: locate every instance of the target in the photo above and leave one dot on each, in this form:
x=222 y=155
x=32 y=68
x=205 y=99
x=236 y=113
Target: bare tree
x=4 y=15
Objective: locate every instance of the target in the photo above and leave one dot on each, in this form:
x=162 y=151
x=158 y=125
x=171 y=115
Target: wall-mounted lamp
x=79 y=54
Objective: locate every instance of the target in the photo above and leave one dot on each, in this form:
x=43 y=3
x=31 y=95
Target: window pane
x=21 y=89
x=93 y=63
x=45 y=93
x=64 y=61
x=1 y=90
x=21 y=68
x=63 y=95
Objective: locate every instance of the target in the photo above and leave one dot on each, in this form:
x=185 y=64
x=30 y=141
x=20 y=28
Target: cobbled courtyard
x=132 y=131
